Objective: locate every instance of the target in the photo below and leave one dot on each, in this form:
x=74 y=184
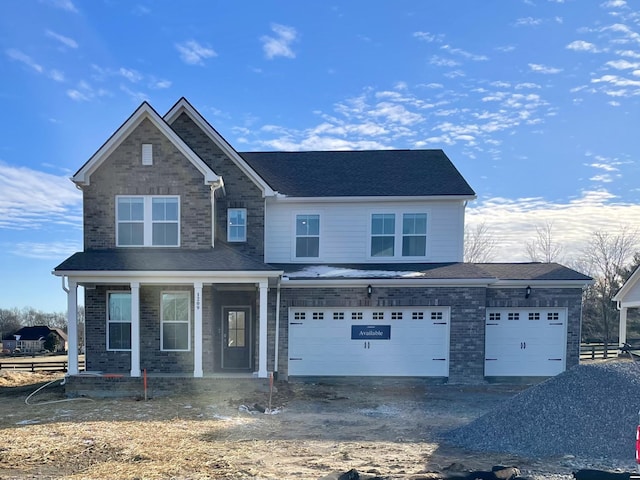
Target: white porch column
x=72 y=327
x=262 y=332
x=197 y=334
x=623 y=326
x=135 y=329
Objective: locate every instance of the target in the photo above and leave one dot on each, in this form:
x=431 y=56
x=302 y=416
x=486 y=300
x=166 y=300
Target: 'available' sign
x=370 y=332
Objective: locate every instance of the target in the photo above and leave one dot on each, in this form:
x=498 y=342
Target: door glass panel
x=236 y=329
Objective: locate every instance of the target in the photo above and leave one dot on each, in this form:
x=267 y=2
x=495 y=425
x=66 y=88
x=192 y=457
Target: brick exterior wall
x=240 y=191
x=123 y=174
x=468 y=313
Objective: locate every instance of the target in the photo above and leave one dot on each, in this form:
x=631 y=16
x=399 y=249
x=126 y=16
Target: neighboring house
x=33 y=339
x=627 y=297
x=199 y=259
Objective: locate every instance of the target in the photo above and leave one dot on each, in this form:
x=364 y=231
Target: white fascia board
x=388 y=282
x=184 y=106
x=541 y=283
x=377 y=199
x=178 y=277
x=145 y=111
x=628 y=285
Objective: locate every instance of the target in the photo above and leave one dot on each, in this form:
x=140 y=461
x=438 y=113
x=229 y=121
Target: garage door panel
x=525 y=342
x=418 y=342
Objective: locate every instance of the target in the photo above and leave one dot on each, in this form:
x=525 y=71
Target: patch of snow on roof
x=323 y=271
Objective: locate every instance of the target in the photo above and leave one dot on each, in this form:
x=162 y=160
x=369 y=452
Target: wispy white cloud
x=464 y=53
x=428 y=37
x=130 y=74
x=25 y=59
x=66 y=41
x=538 y=68
x=84 y=92
x=45 y=251
x=57 y=75
x=582 y=46
x=527 y=22
x=280 y=45
x=62 y=4
x=32 y=199
x=194 y=53
x=443 y=62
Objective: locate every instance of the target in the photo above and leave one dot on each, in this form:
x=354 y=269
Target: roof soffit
x=144 y=111
x=183 y=106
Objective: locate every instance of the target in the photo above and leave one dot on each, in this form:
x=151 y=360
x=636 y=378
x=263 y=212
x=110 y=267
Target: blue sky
x=536 y=101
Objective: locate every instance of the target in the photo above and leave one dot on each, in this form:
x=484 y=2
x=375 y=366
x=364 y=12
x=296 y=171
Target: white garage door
x=403 y=341
x=525 y=342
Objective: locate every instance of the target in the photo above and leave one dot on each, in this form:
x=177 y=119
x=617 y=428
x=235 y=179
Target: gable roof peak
x=144 y=111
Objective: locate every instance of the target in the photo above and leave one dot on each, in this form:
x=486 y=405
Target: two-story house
x=200 y=260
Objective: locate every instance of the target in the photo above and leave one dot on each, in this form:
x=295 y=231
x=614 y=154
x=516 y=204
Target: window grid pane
x=383 y=226
x=307 y=236
x=237 y=224
x=414 y=235
x=119 y=321
x=175 y=311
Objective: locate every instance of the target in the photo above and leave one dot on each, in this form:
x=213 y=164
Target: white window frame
x=147 y=220
x=163 y=322
x=229 y=225
x=110 y=321
x=294 y=249
x=398 y=233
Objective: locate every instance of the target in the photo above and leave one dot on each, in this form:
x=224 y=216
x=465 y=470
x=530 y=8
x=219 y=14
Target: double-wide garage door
x=400 y=341
x=525 y=341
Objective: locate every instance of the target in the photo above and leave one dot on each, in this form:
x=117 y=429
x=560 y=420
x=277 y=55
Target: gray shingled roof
x=359 y=173
x=220 y=258
x=435 y=271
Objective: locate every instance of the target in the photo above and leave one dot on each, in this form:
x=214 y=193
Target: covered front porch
x=627 y=298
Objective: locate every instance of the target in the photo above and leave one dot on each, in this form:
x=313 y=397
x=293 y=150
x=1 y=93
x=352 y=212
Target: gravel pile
x=589 y=411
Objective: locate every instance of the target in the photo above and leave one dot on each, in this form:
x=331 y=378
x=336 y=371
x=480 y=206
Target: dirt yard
x=389 y=430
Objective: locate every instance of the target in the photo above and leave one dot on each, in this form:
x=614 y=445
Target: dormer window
x=148 y=221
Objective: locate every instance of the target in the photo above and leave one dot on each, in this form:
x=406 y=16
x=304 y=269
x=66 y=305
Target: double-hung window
x=398 y=235
x=175 y=313
x=307 y=236
x=119 y=321
x=414 y=234
x=237 y=225
x=383 y=234
x=148 y=221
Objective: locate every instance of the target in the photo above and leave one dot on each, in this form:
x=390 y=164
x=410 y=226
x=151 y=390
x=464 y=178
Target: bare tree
x=479 y=245
x=606 y=259
x=543 y=248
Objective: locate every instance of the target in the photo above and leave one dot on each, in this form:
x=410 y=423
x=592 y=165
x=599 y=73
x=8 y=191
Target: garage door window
x=436 y=316
x=338 y=315
x=378 y=315
x=534 y=316
x=396 y=315
x=551 y=316
x=513 y=316
x=318 y=315
x=356 y=316
x=494 y=317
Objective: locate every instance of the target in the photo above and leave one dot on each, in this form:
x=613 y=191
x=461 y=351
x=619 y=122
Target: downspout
x=64 y=287
x=214 y=186
x=277 y=339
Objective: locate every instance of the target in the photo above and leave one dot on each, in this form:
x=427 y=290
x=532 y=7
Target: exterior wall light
x=369 y=290
x=527 y=292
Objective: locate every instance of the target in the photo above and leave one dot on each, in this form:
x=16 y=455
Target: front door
x=236 y=338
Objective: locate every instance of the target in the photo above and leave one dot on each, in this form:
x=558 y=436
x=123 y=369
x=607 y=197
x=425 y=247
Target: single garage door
x=525 y=341
x=411 y=341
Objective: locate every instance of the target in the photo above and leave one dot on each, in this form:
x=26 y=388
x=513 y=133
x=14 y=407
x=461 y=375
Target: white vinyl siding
x=346 y=231
x=147 y=221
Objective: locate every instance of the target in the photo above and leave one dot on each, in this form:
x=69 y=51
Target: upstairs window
x=383 y=232
x=148 y=221
x=398 y=235
x=237 y=225
x=414 y=234
x=307 y=236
